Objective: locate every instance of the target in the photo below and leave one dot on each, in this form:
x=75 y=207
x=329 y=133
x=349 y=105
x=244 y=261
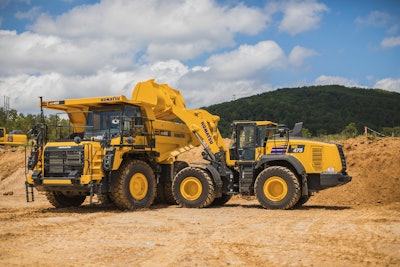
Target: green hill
x=323 y=109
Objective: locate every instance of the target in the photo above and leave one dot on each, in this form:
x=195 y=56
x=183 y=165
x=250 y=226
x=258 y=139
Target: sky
x=213 y=51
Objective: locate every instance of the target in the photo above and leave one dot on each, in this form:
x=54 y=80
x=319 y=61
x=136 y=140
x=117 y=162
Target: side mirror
x=281 y=130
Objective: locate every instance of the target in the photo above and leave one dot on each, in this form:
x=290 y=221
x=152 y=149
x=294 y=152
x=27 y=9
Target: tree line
x=12 y=120
x=323 y=109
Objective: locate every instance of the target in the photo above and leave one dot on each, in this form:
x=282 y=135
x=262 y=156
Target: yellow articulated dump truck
x=124 y=150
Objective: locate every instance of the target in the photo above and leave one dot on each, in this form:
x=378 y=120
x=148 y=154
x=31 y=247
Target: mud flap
x=304 y=185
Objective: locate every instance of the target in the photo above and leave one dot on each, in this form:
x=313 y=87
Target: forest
x=324 y=110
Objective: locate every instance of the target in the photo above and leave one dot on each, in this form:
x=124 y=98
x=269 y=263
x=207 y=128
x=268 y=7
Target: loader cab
x=248 y=139
x=245 y=139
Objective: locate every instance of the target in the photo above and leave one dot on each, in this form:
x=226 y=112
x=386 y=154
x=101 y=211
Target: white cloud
x=25 y=89
x=199 y=92
x=247 y=60
x=379 y=19
x=298 y=16
x=167 y=71
x=164 y=51
x=389 y=84
x=34 y=53
x=167 y=29
x=390 y=42
x=335 y=80
x=31 y=14
x=195 y=84
x=375 y=18
x=120 y=34
x=299 y=54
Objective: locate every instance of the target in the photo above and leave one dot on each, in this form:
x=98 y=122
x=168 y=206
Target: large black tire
x=135 y=187
x=62 y=200
x=193 y=188
x=277 y=188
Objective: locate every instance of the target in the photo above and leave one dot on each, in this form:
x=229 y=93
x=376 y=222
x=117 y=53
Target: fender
x=215 y=176
x=282 y=157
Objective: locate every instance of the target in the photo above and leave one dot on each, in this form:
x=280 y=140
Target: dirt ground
x=357 y=224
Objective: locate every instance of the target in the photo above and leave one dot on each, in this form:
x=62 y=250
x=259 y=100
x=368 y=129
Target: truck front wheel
x=277 y=188
x=193 y=188
x=135 y=186
x=63 y=200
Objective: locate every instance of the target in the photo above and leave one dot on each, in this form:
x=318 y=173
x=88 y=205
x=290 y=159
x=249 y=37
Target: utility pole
x=6 y=105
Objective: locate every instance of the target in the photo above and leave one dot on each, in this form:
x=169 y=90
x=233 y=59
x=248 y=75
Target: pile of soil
x=12 y=170
x=374 y=165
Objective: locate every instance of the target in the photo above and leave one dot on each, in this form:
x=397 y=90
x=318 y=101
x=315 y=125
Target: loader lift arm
x=168 y=104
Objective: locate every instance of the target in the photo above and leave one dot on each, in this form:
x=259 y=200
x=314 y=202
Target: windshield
x=106 y=123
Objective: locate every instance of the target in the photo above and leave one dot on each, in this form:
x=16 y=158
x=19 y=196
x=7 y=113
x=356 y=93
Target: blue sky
x=212 y=51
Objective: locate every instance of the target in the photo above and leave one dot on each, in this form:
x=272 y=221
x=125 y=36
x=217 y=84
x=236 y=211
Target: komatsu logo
x=113 y=98
x=209 y=138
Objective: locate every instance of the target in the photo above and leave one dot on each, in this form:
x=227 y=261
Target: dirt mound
x=12 y=162
x=374 y=165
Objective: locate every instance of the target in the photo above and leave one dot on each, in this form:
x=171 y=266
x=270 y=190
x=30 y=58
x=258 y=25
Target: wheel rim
x=138 y=186
x=275 y=188
x=191 y=188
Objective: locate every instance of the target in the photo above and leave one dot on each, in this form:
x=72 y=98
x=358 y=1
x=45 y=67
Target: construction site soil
x=357 y=224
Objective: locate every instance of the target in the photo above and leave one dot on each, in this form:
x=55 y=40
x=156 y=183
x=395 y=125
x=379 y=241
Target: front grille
x=317 y=158
x=342 y=157
x=60 y=161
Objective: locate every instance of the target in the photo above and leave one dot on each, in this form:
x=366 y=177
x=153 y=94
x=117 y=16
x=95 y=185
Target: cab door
x=243 y=143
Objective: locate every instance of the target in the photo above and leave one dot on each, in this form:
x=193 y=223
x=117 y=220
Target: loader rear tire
x=277 y=188
x=193 y=188
x=62 y=200
x=135 y=187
